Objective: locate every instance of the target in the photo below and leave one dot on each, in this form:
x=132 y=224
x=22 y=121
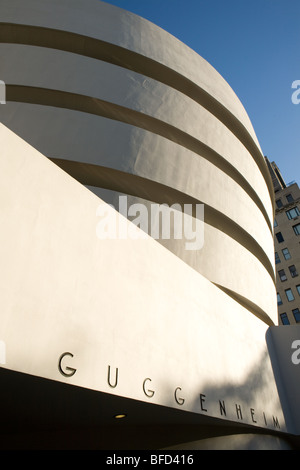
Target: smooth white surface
x=97 y=19
x=129 y=304
x=135 y=146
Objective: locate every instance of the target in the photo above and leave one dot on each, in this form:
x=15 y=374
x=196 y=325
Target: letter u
x=116 y=378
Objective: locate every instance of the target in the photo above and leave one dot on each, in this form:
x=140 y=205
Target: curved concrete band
x=123 y=106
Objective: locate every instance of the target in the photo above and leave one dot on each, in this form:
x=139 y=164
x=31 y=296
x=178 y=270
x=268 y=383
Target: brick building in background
x=287 y=250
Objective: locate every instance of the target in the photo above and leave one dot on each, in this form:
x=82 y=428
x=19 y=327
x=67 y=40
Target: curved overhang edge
x=88 y=104
x=117 y=180
x=117 y=55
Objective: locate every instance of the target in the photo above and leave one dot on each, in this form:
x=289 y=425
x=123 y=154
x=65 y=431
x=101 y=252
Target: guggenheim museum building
x=137 y=288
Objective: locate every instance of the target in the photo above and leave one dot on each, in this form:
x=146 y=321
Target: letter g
x=70 y=370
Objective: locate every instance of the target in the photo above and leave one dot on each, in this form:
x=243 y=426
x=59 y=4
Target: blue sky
x=255 y=46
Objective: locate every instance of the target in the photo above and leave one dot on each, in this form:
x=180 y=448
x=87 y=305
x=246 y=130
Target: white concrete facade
x=98 y=97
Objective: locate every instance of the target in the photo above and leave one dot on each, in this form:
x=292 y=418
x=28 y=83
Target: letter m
x=275 y=422
x=2 y=352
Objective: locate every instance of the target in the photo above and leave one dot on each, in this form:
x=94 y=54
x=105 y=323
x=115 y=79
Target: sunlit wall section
x=126 y=108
